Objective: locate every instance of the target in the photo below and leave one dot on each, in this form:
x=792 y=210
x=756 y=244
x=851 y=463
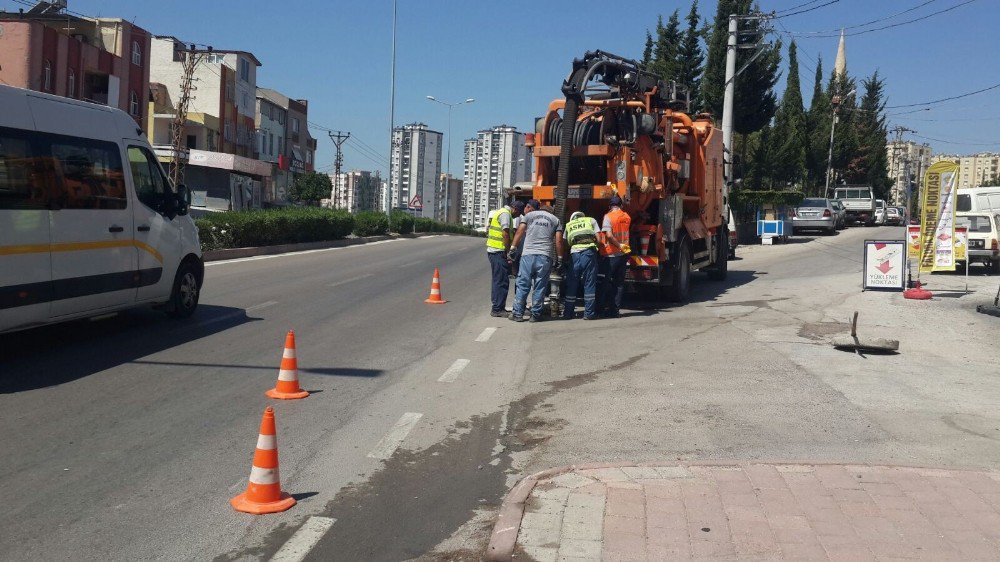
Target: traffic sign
x=415 y=203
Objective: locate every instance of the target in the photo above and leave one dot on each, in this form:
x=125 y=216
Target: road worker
x=541 y=232
x=498 y=240
x=581 y=236
x=615 y=255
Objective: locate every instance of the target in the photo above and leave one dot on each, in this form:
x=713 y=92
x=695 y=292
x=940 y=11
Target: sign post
x=885 y=265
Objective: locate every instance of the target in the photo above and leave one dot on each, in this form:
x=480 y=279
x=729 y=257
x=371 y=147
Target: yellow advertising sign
x=961 y=242
x=937 y=218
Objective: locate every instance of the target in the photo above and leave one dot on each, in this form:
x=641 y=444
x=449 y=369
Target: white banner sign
x=885 y=264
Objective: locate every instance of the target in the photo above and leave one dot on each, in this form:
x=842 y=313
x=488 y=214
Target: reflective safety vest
x=494 y=236
x=620 y=225
x=580 y=233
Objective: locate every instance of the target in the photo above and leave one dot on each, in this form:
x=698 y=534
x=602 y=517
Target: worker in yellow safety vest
x=498 y=238
x=581 y=233
x=614 y=257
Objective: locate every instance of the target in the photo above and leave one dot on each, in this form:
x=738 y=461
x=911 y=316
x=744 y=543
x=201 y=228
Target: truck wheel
x=721 y=269
x=995 y=267
x=681 y=274
x=184 y=298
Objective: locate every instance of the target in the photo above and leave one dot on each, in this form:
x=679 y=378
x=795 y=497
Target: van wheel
x=681 y=274
x=721 y=268
x=184 y=297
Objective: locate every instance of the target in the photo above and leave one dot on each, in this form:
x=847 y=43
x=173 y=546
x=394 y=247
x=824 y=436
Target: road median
x=234 y=253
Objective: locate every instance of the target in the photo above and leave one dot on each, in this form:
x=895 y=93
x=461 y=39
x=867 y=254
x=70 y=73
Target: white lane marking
x=485 y=336
x=297 y=547
x=456 y=369
x=392 y=440
x=412 y=263
x=304 y=252
x=261 y=305
x=351 y=280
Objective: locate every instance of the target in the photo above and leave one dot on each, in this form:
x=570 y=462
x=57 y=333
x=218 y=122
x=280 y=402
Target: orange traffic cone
x=264 y=493
x=288 y=387
x=435 y=297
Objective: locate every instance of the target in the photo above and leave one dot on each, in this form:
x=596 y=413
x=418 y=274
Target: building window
x=271 y=142
x=47 y=76
x=136 y=54
x=71 y=84
x=246 y=100
x=295 y=125
x=244 y=70
x=133 y=103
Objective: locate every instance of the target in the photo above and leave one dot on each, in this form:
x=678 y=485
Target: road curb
x=234 y=253
x=504 y=536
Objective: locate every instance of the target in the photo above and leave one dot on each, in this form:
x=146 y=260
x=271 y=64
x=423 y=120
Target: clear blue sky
x=512 y=56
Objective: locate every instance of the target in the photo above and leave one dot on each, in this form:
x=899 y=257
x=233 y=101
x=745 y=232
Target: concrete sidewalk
x=750 y=511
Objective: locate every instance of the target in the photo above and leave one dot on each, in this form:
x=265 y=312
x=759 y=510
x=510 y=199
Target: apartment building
x=357 y=190
x=296 y=147
x=495 y=160
x=415 y=169
x=102 y=60
x=902 y=154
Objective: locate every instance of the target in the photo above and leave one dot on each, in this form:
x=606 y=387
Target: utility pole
x=392 y=115
x=732 y=45
x=177 y=142
x=835 y=101
x=338 y=139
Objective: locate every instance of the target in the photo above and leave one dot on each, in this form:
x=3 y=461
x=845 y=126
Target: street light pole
x=835 y=101
x=448 y=170
x=392 y=115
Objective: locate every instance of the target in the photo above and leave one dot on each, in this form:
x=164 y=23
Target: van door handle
x=116 y=229
x=144 y=228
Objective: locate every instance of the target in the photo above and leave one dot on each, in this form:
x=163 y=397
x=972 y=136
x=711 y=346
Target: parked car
x=858 y=201
x=840 y=212
x=814 y=214
x=984 y=238
x=893 y=216
x=89 y=223
x=880 y=212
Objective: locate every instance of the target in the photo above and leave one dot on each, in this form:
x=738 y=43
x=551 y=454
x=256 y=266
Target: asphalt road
x=130 y=434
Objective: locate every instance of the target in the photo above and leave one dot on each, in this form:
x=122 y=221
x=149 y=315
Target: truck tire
x=721 y=269
x=680 y=274
x=184 y=297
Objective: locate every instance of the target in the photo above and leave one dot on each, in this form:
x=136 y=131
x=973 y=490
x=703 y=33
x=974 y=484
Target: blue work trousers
x=501 y=280
x=613 y=269
x=583 y=269
x=533 y=277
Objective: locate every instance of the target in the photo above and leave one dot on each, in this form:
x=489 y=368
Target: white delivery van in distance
x=89 y=223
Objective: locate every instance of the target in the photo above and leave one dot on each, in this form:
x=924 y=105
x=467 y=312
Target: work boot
x=498 y=313
x=535 y=319
x=515 y=318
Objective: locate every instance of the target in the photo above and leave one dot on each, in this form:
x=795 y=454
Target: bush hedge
x=402 y=222
x=370 y=223
x=240 y=229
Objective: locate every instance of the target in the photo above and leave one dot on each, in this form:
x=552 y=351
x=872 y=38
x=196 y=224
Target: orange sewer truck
x=631 y=137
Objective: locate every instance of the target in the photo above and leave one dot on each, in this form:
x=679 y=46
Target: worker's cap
x=535 y=204
x=616 y=200
x=517 y=206
x=576 y=215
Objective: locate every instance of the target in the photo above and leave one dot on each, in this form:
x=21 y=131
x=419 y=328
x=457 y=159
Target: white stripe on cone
x=284 y=375
x=267 y=442
x=264 y=475
x=289 y=353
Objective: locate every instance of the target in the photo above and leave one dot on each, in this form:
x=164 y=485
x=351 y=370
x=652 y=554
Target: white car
x=89 y=223
x=984 y=238
x=880 y=214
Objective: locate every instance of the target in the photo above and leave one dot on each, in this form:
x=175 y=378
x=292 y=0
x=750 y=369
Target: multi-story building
x=978 y=169
x=415 y=169
x=222 y=170
x=297 y=150
x=271 y=123
x=449 y=207
x=903 y=154
x=355 y=191
x=102 y=60
x=495 y=160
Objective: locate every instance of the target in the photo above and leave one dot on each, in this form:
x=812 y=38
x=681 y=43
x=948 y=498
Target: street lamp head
x=470 y=100
x=432 y=98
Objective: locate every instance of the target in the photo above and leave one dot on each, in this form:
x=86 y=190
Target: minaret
x=840 y=65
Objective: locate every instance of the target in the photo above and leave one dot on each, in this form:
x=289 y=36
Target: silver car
x=840 y=212
x=815 y=214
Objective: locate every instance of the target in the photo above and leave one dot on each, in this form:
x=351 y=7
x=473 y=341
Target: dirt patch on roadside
x=818 y=331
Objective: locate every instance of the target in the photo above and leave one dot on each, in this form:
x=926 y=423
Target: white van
x=89 y=223
x=978 y=199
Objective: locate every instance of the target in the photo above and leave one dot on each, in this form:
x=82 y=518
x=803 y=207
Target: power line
x=807 y=9
x=837 y=31
x=814 y=35
x=942 y=100
x=371 y=154
x=973 y=143
x=802 y=5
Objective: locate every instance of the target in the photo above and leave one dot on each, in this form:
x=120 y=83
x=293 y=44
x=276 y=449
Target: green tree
x=790 y=129
x=690 y=56
x=991 y=182
x=845 y=140
x=310 y=187
x=647 y=51
x=714 y=78
x=668 y=37
x=870 y=164
x=760 y=170
x=818 y=121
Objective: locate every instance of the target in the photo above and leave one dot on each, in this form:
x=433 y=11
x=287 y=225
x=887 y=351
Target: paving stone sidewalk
x=750 y=511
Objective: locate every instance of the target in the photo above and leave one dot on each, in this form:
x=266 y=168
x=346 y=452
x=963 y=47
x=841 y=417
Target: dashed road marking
x=298 y=547
x=410 y=264
x=456 y=369
x=486 y=334
x=392 y=440
x=351 y=280
x=261 y=305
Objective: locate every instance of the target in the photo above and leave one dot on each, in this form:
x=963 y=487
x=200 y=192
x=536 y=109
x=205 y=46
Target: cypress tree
x=647 y=52
x=690 y=56
x=714 y=78
x=790 y=130
x=871 y=166
x=668 y=39
x=818 y=121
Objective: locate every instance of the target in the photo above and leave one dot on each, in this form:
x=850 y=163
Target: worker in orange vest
x=614 y=257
